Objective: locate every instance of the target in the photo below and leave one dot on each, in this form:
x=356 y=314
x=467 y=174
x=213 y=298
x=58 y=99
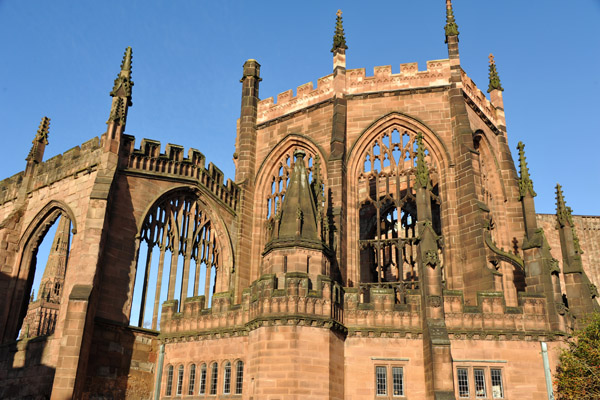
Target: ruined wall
x=588 y=231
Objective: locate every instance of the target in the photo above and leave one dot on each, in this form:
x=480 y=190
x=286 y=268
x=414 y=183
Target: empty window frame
x=227 y=378
x=169 y=386
x=192 y=381
x=202 y=379
x=463 y=382
x=497 y=388
x=239 y=377
x=214 y=377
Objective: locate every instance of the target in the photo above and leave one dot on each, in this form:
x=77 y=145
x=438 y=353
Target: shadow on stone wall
x=23 y=374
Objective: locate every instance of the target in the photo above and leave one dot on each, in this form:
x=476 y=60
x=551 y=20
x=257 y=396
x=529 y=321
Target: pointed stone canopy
x=40 y=141
x=123 y=82
x=494 y=78
x=422 y=172
x=298 y=210
x=525 y=182
x=339 y=38
x=563 y=213
x=564 y=217
x=451 y=28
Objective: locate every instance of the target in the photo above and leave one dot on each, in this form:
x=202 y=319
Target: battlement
x=306 y=96
x=262 y=303
x=149 y=158
x=436 y=74
x=482 y=104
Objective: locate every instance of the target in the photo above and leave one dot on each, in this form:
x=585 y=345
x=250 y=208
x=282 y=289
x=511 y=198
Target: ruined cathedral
x=378 y=242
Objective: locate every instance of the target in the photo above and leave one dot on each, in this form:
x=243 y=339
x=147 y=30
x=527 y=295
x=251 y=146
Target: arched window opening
x=192 y=380
x=239 y=377
x=280 y=180
x=227 y=378
x=387 y=191
x=169 y=385
x=179 y=380
x=214 y=378
x=202 y=389
x=40 y=311
x=178 y=257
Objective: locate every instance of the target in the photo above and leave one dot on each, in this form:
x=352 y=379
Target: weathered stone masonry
x=377 y=242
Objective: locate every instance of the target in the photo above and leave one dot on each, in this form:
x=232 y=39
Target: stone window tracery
x=388 y=208
x=280 y=178
x=178 y=257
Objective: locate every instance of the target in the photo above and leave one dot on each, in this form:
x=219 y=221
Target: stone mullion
x=198 y=258
x=161 y=263
x=378 y=243
x=191 y=224
x=175 y=245
x=146 y=278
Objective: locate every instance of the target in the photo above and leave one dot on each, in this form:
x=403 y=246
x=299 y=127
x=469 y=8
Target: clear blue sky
x=59 y=58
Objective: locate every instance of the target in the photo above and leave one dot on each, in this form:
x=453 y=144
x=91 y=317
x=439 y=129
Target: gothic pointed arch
x=183 y=250
x=273 y=177
x=383 y=175
x=21 y=287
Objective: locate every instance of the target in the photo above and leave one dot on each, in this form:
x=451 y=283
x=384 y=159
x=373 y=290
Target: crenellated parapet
x=436 y=74
x=306 y=96
x=296 y=300
x=479 y=103
x=492 y=314
x=173 y=162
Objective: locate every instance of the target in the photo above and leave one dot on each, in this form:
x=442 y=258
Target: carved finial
x=43 y=130
x=525 y=183
x=339 y=39
x=126 y=63
x=451 y=28
x=494 y=78
x=422 y=173
x=564 y=217
x=123 y=82
x=39 y=142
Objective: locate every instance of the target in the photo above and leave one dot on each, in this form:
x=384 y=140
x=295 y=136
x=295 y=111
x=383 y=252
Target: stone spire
x=36 y=154
x=564 y=217
x=121 y=91
x=451 y=28
x=494 y=78
x=525 y=183
x=422 y=172
x=339 y=38
x=298 y=211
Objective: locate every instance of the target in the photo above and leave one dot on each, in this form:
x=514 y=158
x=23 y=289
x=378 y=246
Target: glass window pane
x=479 y=382
x=227 y=379
x=180 y=380
x=463 y=382
x=192 y=379
x=398 y=381
x=497 y=389
x=202 y=379
x=169 y=387
x=239 y=377
x=381 y=380
x=214 y=378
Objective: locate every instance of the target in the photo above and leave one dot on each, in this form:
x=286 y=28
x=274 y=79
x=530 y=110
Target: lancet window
x=387 y=190
x=50 y=244
x=178 y=257
x=281 y=177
